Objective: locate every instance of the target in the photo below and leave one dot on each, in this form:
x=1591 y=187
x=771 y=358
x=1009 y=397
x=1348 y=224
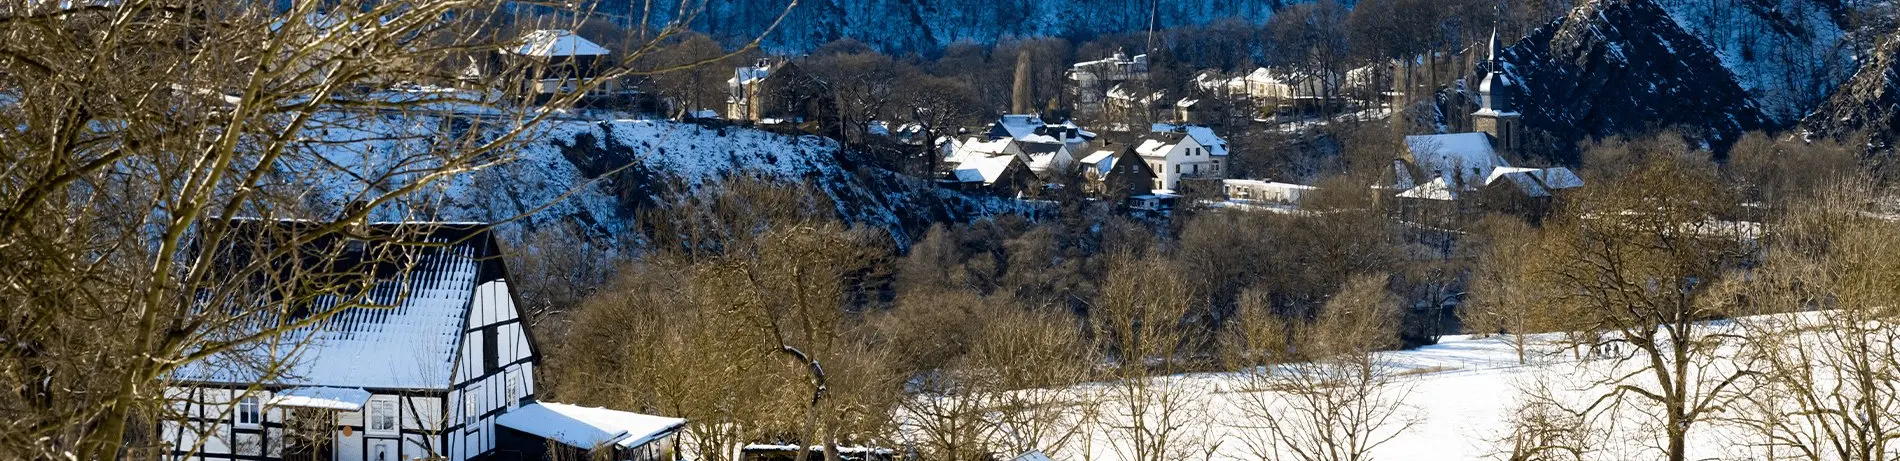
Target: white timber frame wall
x=219 y=425
x=494 y=371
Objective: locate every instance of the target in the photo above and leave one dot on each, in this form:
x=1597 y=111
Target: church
x=1456 y=172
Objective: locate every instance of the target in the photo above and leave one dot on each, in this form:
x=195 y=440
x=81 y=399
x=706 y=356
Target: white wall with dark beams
x=494 y=373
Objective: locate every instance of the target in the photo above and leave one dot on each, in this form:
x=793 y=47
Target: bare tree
x=1501 y=300
x=1635 y=261
x=1337 y=401
x=1829 y=387
x=136 y=130
x=1138 y=319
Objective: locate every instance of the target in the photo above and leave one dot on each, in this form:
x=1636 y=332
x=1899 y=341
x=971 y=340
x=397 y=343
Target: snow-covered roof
x=1489 y=112
x=1158 y=144
x=1552 y=178
x=749 y=74
x=1523 y=180
x=1123 y=93
x=1437 y=189
x=1118 y=59
x=977 y=147
x=1204 y=136
x=986 y=169
x=1098 y=156
x=1070 y=124
x=1020 y=125
x=1032 y=455
x=588 y=427
x=328 y=398
x=404 y=335
x=1153 y=147
x=1044 y=156
x=1264 y=75
x=557 y=42
x=1467 y=157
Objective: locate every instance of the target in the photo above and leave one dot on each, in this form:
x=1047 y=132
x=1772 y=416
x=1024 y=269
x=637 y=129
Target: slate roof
x=417 y=281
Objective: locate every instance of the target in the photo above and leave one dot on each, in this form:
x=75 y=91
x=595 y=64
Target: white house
x=427 y=363
x=1174 y=155
x=1089 y=80
x=567 y=59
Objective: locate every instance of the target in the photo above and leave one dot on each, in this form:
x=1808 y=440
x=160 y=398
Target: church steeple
x=1497 y=113
x=1495 y=91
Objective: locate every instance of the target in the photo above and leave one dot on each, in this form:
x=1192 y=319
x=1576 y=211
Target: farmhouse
x=415 y=350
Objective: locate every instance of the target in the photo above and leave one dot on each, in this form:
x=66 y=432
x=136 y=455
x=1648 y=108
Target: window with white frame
x=471 y=407
x=513 y=381
x=382 y=415
x=250 y=413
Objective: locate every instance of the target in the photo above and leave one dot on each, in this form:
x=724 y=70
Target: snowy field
x=1459 y=400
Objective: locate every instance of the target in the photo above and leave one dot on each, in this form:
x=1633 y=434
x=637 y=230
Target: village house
x=1136 y=105
x=1090 y=81
x=995 y=174
x=430 y=359
x=560 y=62
x=1265 y=192
x=1285 y=92
x=1117 y=174
x=1176 y=153
x=1047 y=149
x=775 y=91
x=1199 y=111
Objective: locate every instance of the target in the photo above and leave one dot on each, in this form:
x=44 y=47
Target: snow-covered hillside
x=600 y=175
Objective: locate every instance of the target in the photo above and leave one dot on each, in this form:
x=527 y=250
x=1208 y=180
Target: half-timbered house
x=419 y=359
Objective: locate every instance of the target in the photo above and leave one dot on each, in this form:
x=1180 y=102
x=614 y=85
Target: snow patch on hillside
x=599 y=175
x=1788 y=54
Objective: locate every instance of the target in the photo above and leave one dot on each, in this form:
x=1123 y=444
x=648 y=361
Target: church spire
x=1494 y=48
x=1496 y=113
x=1495 y=91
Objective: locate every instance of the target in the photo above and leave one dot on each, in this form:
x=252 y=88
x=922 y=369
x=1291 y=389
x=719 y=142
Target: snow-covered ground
x=1459 y=398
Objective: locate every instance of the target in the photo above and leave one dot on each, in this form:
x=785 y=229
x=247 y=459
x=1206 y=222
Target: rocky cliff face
x=1788 y=54
x=922 y=25
x=1869 y=103
x=1617 y=67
